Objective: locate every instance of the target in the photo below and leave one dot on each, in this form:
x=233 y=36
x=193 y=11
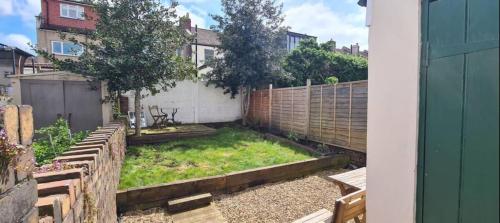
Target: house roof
x=210 y=38
x=206 y=37
x=4 y=47
x=290 y=33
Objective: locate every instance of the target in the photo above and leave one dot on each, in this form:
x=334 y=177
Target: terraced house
x=71 y=17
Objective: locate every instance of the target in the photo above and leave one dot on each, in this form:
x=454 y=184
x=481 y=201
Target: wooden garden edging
x=330 y=114
x=166 y=137
x=158 y=195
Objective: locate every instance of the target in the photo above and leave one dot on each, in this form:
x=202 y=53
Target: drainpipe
x=196 y=47
x=47 y=11
x=14 y=61
x=33 y=64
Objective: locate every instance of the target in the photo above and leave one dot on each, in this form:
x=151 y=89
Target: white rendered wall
x=197 y=103
x=393 y=89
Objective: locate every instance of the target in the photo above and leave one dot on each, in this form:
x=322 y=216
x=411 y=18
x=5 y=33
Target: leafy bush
x=317 y=62
x=332 y=80
x=54 y=140
x=293 y=136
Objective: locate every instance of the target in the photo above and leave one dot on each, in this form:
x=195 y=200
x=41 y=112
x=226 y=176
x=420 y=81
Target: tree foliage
x=251 y=35
x=133 y=48
x=314 y=61
x=252 y=39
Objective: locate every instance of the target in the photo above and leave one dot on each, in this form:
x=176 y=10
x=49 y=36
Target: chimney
x=185 y=22
x=355 y=49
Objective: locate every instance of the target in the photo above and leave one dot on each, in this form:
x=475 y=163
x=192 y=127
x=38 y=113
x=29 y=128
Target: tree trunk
x=245 y=104
x=137 y=110
x=118 y=103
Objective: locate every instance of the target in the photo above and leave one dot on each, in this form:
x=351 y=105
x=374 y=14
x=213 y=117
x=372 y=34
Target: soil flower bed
x=230 y=149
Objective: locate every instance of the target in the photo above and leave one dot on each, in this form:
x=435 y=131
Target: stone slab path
x=207 y=214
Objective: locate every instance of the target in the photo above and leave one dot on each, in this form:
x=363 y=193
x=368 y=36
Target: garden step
x=321 y=216
x=206 y=214
x=189 y=203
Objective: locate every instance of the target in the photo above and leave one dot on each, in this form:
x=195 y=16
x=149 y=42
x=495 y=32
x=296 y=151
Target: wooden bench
x=351 y=206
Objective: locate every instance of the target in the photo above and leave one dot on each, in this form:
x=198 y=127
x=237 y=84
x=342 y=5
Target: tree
x=252 y=47
x=133 y=48
x=318 y=62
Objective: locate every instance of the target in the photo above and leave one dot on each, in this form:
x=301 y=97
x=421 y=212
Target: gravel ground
x=276 y=202
x=280 y=202
x=154 y=215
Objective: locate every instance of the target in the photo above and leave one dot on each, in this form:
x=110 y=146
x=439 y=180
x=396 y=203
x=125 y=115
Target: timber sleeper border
x=159 y=195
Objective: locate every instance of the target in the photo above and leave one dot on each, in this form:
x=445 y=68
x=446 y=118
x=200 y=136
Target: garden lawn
x=231 y=149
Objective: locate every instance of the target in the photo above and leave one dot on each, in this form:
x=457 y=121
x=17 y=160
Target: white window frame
x=61 y=43
x=205 y=54
x=80 y=11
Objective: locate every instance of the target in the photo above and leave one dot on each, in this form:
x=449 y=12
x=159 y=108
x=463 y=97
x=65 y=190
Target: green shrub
x=332 y=80
x=54 y=140
x=293 y=136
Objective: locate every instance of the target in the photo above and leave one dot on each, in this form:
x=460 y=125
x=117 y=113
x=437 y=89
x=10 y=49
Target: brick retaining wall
x=84 y=189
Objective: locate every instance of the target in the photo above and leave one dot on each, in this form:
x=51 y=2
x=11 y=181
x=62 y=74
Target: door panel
x=443 y=128
x=46 y=98
x=446 y=22
x=459 y=145
x=479 y=190
x=482 y=25
x=83 y=104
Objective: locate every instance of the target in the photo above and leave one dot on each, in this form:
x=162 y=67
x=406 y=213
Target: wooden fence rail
x=330 y=114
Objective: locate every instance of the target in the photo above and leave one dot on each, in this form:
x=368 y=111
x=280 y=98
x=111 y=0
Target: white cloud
x=6 y=7
x=18 y=40
x=25 y=9
x=195 y=18
x=317 y=19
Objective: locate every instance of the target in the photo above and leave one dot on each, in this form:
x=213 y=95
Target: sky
x=340 y=20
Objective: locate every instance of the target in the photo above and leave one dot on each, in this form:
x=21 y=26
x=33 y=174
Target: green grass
x=231 y=149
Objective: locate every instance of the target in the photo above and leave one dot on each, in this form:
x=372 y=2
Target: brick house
x=72 y=17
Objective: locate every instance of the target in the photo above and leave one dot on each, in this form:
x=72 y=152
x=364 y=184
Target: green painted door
x=459 y=126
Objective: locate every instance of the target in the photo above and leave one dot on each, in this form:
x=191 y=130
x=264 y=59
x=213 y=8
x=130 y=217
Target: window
x=209 y=55
x=66 y=48
x=72 y=11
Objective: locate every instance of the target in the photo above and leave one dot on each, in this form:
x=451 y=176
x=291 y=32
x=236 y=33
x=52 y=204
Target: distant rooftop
x=4 y=47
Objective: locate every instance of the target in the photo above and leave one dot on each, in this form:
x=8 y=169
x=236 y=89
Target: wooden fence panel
x=330 y=114
x=259 y=107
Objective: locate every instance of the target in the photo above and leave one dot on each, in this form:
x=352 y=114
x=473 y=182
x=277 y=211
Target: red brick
x=50 y=206
x=78 y=158
x=82 y=152
x=99 y=142
x=87 y=164
x=70 y=187
x=80 y=147
x=52 y=16
x=76 y=173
